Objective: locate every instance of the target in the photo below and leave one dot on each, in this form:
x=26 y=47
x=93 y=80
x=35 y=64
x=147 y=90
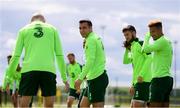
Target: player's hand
x=131 y=91
x=66 y=86
x=140 y=79
x=78 y=84
x=8 y=89
x=78 y=91
x=127 y=45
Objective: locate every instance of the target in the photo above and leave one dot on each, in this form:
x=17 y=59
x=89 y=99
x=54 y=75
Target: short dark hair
x=155 y=23
x=71 y=54
x=129 y=28
x=86 y=21
x=9 y=56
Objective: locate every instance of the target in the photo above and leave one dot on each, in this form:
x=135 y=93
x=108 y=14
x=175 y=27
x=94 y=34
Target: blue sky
x=113 y=14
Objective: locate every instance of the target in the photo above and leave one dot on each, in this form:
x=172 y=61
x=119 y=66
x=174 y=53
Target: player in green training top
x=94 y=68
x=141 y=67
x=41 y=44
x=162 y=81
x=11 y=84
x=73 y=69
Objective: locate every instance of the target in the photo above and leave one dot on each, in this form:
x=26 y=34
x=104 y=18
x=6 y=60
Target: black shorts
x=141 y=91
x=72 y=92
x=97 y=88
x=33 y=80
x=160 y=89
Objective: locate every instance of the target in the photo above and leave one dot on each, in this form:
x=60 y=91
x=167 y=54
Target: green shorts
x=141 y=91
x=33 y=80
x=72 y=92
x=160 y=89
x=97 y=88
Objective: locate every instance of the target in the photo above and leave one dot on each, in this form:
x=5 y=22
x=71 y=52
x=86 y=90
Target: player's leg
x=157 y=93
x=73 y=95
x=49 y=101
x=15 y=98
x=169 y=85
x=131 y=104
x=97 y=90
x=28 y=87
x=12 y=95
x=31 y=102
x=81 y=96
x=138 y=103
x=24 y=101
x=70 y=101
x=141 y=95
x=84 y=103
x=47 y=82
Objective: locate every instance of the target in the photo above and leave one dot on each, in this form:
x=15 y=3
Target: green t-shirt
x=41 y=44
x=162 y=55
x=139 y=61
x=95 y=58
x=73 y=72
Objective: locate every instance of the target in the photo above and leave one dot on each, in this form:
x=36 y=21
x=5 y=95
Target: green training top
x=73 y=72
x=6 y=80
x=162 y=55
x=139 y=61
x=41 y=44
x=10 y=80
x=95 y=58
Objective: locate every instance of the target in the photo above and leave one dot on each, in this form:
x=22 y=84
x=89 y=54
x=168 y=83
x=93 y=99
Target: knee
x=69 y=101
x=49 y=104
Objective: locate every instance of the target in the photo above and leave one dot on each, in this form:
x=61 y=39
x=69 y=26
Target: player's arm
x=147 y=47
x=139 y=50
x=126 y=58
x=16 y=54
x=4 y=85
x=67 y=71
x=90 y=58
x=60 y=57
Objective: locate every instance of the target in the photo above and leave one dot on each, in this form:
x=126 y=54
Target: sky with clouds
x=112 y=15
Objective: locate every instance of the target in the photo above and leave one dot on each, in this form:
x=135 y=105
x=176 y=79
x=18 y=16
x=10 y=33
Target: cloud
x=40 y=6
x=173 y=31
x=8 y=39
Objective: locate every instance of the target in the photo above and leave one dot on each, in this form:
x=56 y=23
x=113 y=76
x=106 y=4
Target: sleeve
x=16 y=55
x=67 y=70
x=4 y=81
x=157 y=45
x=60 y=57
x=90 y=52
x=127 y=59
x=143 y=72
